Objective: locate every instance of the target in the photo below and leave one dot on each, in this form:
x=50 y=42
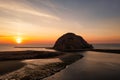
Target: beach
x=33 y=65
x=31 y=68
x=50 y=64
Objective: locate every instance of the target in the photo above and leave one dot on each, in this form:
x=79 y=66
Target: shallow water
x=9 y=66
x=93 y=66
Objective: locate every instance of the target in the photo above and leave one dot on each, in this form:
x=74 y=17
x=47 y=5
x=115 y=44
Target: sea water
x=93 y=66
x=107 y=46
x=6 y=47
x=9 y=47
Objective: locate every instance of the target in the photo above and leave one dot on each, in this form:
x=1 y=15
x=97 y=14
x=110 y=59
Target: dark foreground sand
x=21 y=55
x=24 y=66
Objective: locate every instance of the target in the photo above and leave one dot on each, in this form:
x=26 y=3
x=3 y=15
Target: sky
x=43 y=21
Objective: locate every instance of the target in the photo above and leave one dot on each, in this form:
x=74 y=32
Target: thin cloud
x=23 y=9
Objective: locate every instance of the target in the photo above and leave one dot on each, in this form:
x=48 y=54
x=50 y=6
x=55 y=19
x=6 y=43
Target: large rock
x=71 y=41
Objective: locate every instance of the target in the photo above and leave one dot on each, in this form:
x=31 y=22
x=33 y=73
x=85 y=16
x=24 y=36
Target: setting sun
x=19 y=40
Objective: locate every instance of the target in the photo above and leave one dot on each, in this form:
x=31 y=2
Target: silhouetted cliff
x=71 y=41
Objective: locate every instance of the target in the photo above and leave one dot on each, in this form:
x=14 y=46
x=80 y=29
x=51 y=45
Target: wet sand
x=93 y=66
x=33 y=68
x=21 y=55
x=12 y=61
x=9 y=66
x=37 y=68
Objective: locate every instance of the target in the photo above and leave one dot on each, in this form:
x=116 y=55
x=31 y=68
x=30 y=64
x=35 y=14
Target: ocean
x=106 y=46
x=9 y=47
x=6 y=47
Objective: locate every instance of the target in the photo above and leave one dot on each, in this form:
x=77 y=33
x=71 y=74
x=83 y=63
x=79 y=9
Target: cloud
x=23 y=8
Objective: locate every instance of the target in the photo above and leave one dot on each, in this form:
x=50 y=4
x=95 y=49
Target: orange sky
x=44 y=21
x=52 y=39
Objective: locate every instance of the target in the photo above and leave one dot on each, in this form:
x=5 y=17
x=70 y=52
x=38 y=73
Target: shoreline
x=22 y=55
x=79 y=50
x=52 y=62
x=42 y=68
x=93 y=66
x=117 y=51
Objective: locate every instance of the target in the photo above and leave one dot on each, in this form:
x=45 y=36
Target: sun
x=19 y=40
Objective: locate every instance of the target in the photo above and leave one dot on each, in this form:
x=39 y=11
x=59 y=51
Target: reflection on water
x=5 y=47
x=94 y=66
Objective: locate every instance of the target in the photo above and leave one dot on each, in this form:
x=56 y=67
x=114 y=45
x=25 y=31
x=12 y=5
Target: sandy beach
x=36 y=68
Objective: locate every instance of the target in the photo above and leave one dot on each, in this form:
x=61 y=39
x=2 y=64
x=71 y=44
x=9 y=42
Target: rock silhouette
x=71 y=41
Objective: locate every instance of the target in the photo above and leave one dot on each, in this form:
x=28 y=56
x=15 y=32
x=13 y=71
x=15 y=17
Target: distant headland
x=71 y=41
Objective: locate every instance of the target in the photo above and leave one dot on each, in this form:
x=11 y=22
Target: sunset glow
x=19 y=40
x=43 y=21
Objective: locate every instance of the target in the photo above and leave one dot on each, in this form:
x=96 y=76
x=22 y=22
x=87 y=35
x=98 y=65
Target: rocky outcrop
x=71 y=41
